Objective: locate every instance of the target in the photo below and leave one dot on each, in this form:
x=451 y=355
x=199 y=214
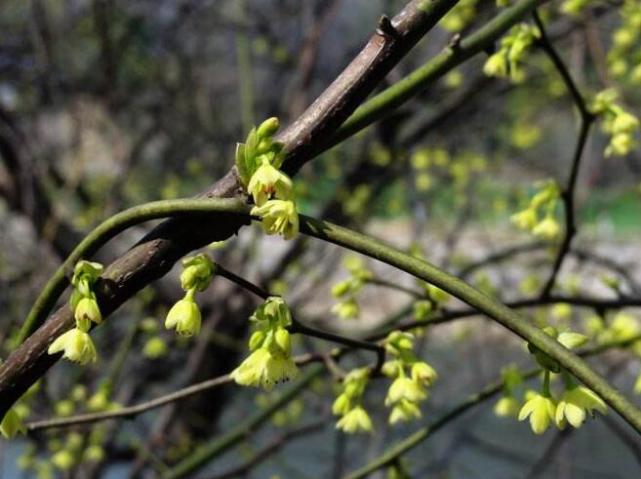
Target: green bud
x=63 y=460
x=256 y=340
x=268 y=127
x=87 y=310
x=154 y=348
x=283 y=341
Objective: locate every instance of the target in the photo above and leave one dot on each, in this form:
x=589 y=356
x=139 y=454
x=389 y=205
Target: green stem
x=452 y=56
x=208 y=451
x=106 y=231
x=510 y=319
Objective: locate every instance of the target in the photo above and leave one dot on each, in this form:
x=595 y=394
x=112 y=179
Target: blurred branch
x=217 y=446
x=433 y=70
x=270 y=449
x=483 y=303
x=402 y=447
x=568 y=192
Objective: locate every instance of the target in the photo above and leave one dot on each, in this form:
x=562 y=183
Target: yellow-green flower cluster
x=620 y=124
x=348 y=289
x=574 y=404
x=507 y=61
x=624 y=56
x=184 y=316
x=270 y=361
x=76 y=344
x=258 y=161
x=411 y=377
x=543 y=202
x=348 y=404
x=430 y=163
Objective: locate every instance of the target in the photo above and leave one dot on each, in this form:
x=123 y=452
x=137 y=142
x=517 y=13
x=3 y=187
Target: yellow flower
x=184 y=316
x=404 y=411
x=525 y=220
x=574 y=405
x=507 y=406
x=354 y=421
x=423 y=373
x=341 y=405
x=278 y=217
x=154 y=348
x=541 y=410
x=496 y=65
x=264 y=368
x=87 y=310
x=346 y=309
x=620 y=145
x=267 y=182
x=76 y=345
x=547 y=229
x=404 y=388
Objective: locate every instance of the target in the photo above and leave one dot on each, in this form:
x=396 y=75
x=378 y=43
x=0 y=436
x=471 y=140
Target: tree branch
x=486 y=305
x=567 y=194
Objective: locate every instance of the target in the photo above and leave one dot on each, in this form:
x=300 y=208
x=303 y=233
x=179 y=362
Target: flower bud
x=268 y=127
x=87 y=310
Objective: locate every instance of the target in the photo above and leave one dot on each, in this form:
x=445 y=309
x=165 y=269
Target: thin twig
x=568 y=192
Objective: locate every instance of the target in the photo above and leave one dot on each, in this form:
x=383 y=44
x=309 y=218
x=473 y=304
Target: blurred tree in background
x=495 y=140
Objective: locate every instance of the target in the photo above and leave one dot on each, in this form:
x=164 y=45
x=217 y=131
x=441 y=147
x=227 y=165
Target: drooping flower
x=404 y=411
x=184 y=316
x=575 y=404
x=525 y=219
x=356 y=420
x=547 y=229
x=404 y=388
x=76 y=345
x=264 y=368
x=87 y=310
x=541 y=410
x=507 y=406
x=269 y=183
x=278 y=217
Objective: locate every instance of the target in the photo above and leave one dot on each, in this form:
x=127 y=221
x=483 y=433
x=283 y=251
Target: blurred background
x=105 y=104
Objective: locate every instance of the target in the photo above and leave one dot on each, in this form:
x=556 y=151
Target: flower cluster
x=506 y=62
x=411 y=378
x=348 y=404
x=270 y=361
x=545 y=201
x=542 y=408
x=620 y=124
x=76 y=344
x=184 y=316
x=348 y=289
x=258 y=161
x=625 y=51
